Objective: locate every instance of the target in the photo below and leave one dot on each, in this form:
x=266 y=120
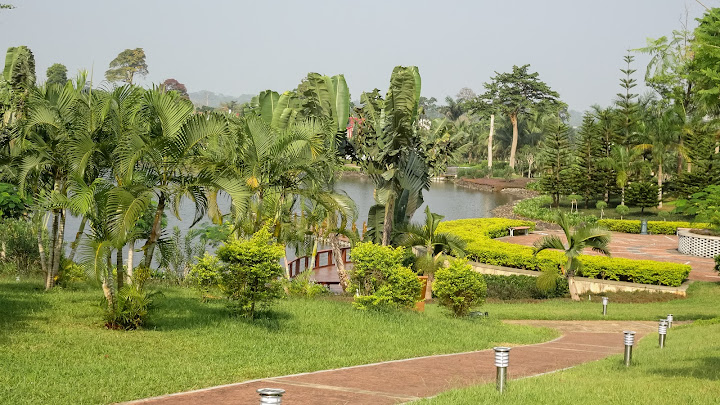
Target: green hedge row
x=518 y=286
x=654 y=227
x=479 y=234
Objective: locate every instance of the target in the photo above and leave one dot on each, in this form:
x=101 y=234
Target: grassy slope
x=687 y=371
x=54 y=350
x=702 y=303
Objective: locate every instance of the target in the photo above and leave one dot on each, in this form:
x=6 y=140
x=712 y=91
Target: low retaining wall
x=697 y=245
x=586 y=285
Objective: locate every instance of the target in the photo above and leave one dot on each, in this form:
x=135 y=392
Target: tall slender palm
x=622 y=160
x=579 y=238
x=434 y=244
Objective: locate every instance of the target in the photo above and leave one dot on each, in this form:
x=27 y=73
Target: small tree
x=705 y=205
x=642 y=195
x=126 y=65
x=251 y=271
x=601 y=205
x=555 y=161
x=459 y=288
x=622 y=210
x=57 y=74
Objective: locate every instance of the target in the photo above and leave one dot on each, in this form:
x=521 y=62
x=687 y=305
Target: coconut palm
x=622 y=161
x=434 y=244
x=579 y=238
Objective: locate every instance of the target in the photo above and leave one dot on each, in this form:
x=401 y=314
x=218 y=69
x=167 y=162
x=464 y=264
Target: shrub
x=705 y=204
x=622 y=210
x=251 y=271
x=11 y=204
x=601 y=205
x=654 y=227
x=131 y=308
x=717 y=263
x=477 y=233
x=380 y=279
x=70 y=273
x=538 y=208
x=302 y=286
x=459 y=288
x=205 y=274
x=643 y=195
x=663 y=215
x=521 y=287
x=21 y=245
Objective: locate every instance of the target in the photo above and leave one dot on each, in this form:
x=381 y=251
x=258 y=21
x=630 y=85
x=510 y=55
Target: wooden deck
x=325 y=270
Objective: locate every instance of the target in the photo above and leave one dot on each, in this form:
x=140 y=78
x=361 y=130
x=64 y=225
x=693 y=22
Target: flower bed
x=479 y=233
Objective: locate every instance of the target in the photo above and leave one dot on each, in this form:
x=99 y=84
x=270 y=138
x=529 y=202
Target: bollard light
x=271 y=395
x=605 y=302
x=662 y=332
x=629 y=341
x=502 y=359
x=670 y=320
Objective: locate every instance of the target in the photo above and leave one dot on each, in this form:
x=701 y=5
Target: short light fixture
x=605 y=302
x=629 y=342
x=662 y=332
x=502 y=360
x=670 y=320
x=270 y=396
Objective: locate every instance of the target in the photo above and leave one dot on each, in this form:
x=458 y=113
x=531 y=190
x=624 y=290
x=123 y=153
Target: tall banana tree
x=389 y=148
x=434 y=244
x=579 y=238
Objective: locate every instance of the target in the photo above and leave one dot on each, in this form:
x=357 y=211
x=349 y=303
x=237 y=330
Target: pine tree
x=555 y=161
x=589 y=151
x=627 y=104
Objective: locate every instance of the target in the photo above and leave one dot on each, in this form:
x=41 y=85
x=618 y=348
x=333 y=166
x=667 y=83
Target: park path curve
x=401 y=381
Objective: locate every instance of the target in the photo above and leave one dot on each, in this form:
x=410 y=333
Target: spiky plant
x=579 y=238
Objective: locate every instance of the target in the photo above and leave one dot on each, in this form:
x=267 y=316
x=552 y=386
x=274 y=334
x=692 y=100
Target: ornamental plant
x=205 y=274
x=251 y=272
x=379 y=278
x=459 y=288
x=601 y=205
x=705 y=205
x=622 y=210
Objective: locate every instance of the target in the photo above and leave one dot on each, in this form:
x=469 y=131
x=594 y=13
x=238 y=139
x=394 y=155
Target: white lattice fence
x=698 y=245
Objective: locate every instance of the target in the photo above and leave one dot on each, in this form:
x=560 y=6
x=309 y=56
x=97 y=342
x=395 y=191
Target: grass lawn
x=686 y=371
x=651 y=213
x=53 y=348
x=703 y=302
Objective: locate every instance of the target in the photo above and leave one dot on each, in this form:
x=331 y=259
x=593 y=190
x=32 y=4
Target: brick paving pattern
x=406 y=380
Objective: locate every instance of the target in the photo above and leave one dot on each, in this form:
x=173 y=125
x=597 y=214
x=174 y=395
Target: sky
x=240 y=47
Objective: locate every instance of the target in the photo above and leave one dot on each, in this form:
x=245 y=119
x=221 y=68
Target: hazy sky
x=236 y=47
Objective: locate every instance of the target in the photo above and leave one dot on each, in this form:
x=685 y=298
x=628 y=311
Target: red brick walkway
x=406 y=380
x=662 y=248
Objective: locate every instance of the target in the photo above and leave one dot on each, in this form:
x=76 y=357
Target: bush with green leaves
x=302 y=285
x=643 y=194
x=622 y=210
x=70 y=273
x=539 y=208
x=517 y=287
x=601 y=205
x=11 y=204
x=380 y=279
x=654 y=227
x=132 y=304
x=717 y=263
x=19 y=239
x=705 y=205
x=459 y=288
x=205 y=274
x=251 y=272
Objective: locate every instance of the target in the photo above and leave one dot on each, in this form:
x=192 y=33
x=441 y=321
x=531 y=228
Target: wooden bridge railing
x=323 y=258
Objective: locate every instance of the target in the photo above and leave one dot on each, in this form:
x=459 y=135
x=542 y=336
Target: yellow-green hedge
x=478 y=233
x=654 y=227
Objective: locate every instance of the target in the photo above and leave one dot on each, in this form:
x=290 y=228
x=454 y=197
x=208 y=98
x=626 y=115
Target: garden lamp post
x=662 y=332
x=605 y=302
x=271 y=395
x=502 y=359
x=670 y=320
x=629 y=341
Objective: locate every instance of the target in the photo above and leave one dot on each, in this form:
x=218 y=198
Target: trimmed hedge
x=479 y=234
x=654 y=227
x=518 y=286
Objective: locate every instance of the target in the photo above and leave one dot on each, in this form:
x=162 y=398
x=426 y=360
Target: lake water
x=444 y=198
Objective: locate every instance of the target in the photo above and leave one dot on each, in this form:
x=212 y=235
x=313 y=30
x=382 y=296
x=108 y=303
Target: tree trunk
x=513 y=148
x=679 y=157
x=120 y=269
x=622 y=195
x=387 y=226
x=314 y=255
x=339 y=262
x=490 y=143
x=155 y=232
x=660 y=184
x=131 y=248
x=49 y=281
x=57 y=255
x=108 y=285
x=573 y=289
x=41 y=250
x=78 y=236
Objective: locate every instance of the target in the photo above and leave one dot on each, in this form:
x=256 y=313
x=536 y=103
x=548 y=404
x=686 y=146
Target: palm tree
x=434 y=244
x=583 y=236
x=622 y=160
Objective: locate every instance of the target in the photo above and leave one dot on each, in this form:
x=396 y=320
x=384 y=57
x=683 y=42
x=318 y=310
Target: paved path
x=662 y=248
x=406 y=380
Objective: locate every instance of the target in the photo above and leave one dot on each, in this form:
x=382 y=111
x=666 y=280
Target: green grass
x=53 y=348
x=686 y=371
x=701 y=303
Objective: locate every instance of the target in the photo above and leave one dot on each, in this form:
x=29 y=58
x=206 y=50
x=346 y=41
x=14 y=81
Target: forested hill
x=204 y=97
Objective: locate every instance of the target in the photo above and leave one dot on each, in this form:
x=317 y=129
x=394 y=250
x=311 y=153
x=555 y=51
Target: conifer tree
x=589 y=151
x=555 y=161
x=627 y=104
